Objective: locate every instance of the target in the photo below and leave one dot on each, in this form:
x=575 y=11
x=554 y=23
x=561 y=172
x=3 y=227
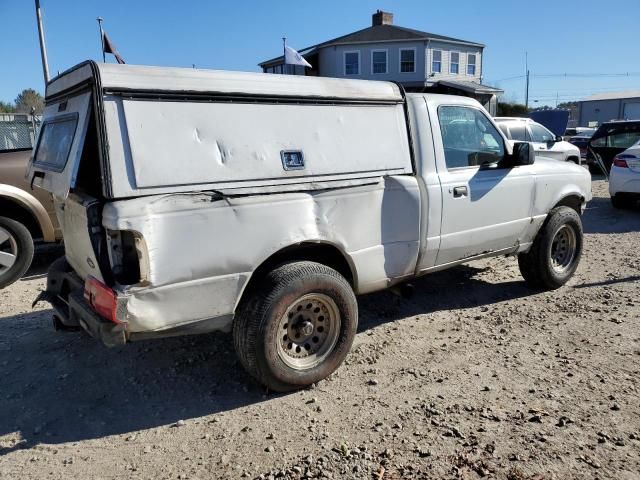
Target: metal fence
x=18 y=130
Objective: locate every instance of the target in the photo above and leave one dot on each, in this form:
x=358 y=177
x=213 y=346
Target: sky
x=582 y=39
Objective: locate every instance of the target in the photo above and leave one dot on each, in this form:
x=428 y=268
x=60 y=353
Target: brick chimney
x=381 y=18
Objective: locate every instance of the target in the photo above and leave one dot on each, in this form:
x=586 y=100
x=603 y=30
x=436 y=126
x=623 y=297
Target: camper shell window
x=55 y=142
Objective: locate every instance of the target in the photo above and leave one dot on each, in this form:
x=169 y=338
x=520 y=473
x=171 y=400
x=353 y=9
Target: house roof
x=471 y=87
x=376 y=34
x=613 y=96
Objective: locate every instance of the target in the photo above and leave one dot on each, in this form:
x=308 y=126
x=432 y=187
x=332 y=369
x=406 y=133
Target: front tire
x=556 y=250
x=16 y=251
x=296 y=326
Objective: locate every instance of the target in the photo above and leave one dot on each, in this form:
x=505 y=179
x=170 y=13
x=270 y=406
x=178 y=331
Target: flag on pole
x=292 y=57
x=109 y=47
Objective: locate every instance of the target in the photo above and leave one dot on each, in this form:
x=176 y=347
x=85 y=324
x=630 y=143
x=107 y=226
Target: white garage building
x=605 y=107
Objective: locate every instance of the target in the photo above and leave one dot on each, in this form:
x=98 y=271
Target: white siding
x=446 y=49
x=331 y=60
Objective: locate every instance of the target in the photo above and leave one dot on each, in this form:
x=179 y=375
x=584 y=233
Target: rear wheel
x=618 y=201
x=556 y=250
x=16 y=251
x=297 y=326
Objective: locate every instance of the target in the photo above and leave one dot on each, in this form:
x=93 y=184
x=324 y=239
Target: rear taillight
x=101 y=298
x=620 y=162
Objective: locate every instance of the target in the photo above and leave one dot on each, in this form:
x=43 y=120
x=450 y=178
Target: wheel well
x=13 y=210
x=323 y=253
x=573 y=158
x=572 y=201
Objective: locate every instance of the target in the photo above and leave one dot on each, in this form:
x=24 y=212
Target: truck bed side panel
x=202 y=252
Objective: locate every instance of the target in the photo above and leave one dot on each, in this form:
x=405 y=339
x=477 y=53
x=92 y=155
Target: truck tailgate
x=80 y=220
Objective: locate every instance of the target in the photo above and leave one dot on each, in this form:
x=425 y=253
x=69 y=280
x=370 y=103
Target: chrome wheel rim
x=8 y=250
x=308 y=331
x=563 y=249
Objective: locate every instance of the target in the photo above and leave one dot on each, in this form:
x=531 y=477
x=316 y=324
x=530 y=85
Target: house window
x=436 y=61
x=471 y=64
x=352 y=63
x=378 y=61
x=454 y=63
x=408 y=60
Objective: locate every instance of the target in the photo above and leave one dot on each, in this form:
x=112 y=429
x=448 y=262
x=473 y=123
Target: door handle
x=460 y=191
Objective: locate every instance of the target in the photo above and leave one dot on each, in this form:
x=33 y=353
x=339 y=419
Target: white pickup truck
x=193 y=201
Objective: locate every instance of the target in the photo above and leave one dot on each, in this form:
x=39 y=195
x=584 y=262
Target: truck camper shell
x=154 y=130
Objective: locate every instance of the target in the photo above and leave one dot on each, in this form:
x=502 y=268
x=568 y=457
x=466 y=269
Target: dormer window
x=407 y=60
x=436 y=61
x=471 y=64
x=352 y=63
x=454 y=63
x=378 y=61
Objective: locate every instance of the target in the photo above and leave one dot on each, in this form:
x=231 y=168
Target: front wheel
x=556 y=250
x=16 y=251
x=296 y=326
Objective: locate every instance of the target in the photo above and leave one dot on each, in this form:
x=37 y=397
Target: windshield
x=519 y=132
x=541 y=134
x=55 y=142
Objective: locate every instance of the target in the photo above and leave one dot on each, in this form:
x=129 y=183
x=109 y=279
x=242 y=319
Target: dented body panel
x=208 y=178
x=373 y=225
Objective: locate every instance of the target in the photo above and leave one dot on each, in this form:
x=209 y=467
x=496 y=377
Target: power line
x=588 y=75
x=570 y=75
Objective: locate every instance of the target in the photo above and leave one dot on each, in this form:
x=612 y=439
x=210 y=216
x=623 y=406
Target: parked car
x=579 y=132
x=262 y=204
x=26 y=216
x=581 y=141
x=544 y=142
x=624 y=179
x=613 y=138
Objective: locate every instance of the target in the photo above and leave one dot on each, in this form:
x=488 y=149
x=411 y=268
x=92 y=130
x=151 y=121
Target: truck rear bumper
x=65 y=292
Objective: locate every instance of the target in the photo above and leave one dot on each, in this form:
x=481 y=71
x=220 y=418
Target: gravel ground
x=475 y=376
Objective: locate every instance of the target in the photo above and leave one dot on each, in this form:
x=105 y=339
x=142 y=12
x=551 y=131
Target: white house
x=420 y=61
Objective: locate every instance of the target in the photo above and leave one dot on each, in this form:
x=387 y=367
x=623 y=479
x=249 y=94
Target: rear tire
x=281 y=354
x=618 y=201
x=16 y=251
x=556 y=250
x=595 y=169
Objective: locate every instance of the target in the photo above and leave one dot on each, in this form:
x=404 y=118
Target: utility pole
x=526 y=88
x=526 y=92
x=284 y=55
x=43 y=47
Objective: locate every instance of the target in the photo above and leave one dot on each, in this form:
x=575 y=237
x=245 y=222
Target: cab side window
x=468 y=137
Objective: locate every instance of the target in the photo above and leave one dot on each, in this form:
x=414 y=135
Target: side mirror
x=523 y=154
x=559 y=138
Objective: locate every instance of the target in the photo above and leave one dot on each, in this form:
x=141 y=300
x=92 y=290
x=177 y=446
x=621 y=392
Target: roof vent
x=381 y=18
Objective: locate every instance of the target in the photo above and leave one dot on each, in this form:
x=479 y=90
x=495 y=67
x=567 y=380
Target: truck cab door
x=486 y=208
